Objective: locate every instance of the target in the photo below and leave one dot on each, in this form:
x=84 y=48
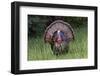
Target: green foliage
x=76 y=21
x=37 y=24
x=38 y=50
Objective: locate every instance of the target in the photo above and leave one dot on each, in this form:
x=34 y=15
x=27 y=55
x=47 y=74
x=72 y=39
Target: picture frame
x=19 y=12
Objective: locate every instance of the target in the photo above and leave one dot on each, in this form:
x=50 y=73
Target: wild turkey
x=58 y=34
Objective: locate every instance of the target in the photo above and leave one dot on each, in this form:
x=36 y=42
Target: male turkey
x=58 y=34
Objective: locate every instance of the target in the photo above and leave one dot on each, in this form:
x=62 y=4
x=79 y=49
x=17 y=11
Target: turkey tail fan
x=58 y=25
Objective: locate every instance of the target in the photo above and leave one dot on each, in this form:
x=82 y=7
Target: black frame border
x=15 y=34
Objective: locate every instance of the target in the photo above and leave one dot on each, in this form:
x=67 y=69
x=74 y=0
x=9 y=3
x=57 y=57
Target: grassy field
x=38 y=50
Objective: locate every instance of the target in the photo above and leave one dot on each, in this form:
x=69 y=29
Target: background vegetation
x=38 y=50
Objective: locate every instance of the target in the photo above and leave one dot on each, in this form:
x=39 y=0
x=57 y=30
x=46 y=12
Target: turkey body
x=59 y=43
x=59 y=34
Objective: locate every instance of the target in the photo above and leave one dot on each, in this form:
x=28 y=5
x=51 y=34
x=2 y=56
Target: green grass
x=38 y=50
